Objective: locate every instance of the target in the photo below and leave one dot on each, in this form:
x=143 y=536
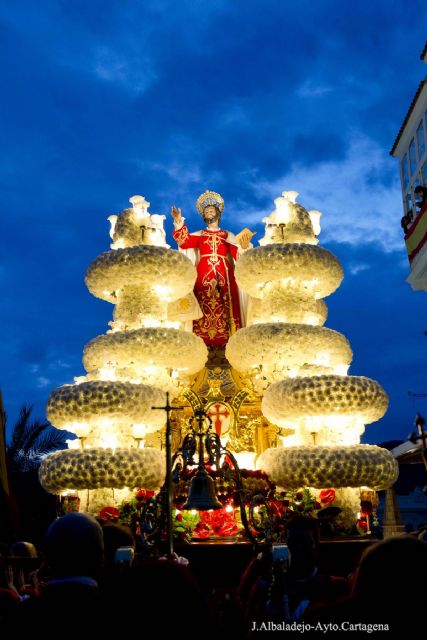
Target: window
x=412 y=157
x=421 y=140
x=408 y=203
x=404 y=167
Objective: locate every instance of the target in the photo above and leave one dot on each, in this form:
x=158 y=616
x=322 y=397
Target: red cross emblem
x=219 y=413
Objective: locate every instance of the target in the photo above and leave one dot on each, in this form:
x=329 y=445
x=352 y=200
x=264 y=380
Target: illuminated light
x=81 y=429
x=73 y=444
x=256 y=509
x=194 y=512
x=245 y=460
x=139 y=430
x=105 y=423
x=113 y=221
x=163 y=291
x=109 y=441
x=119 y=244
x=229 y=508
x=340 y=369
x=107 y=373
x=323 y=358
x=315 y=220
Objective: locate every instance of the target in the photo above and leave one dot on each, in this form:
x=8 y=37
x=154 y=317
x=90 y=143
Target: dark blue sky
x=103 y=100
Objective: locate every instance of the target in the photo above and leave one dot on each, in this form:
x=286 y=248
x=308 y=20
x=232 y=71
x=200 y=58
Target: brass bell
x=201 y=494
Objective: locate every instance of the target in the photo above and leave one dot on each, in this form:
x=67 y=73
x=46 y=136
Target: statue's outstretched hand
x=176 y=213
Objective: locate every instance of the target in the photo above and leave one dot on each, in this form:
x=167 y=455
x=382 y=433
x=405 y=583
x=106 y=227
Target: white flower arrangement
x=98 y=468
x=283 y=348
x=169 y=272
x=341 y=466
x=137 y=304
x=151 y=346
x=100 y=401
x=308 y=267
x=92 y=501
x=325 y=395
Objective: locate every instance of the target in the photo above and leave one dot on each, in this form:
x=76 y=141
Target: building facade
x=410 y=147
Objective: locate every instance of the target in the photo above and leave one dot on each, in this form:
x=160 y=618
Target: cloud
x=357 y=267
x=310 y=89
x=43 y=382
x=359 y=195
x=135 y=74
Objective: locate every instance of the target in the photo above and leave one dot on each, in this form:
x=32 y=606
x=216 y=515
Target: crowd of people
x=90 y=582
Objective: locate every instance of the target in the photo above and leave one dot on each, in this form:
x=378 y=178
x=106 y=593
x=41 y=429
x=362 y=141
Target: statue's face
x=210 y=214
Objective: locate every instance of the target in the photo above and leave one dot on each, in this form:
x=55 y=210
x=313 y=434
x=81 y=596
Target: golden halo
x=210 y=198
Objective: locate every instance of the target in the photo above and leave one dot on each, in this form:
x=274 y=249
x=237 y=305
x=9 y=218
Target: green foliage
x=31 y=441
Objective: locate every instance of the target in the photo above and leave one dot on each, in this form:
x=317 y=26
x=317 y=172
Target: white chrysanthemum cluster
x=321 y=467
x=93 y=500
x=165 y=347
x=131 y=367
x=297 y=309
x=138 y=306
x=310 y=397
x=308 y=268
x=168 y=273
x=96 y=468
x=326 y=395
x=281 y=350
x=132 y=227
x=290 y=222
x=162 y=356
x=100 y=401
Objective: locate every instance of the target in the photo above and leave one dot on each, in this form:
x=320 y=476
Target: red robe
x=215 y=289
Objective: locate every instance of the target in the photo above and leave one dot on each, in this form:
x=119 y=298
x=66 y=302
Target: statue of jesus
x=216 y=252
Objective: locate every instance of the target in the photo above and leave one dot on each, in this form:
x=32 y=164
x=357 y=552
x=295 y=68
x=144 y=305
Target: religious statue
x=216 y=252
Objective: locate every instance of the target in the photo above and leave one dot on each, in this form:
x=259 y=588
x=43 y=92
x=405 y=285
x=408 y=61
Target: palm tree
x=32 y=441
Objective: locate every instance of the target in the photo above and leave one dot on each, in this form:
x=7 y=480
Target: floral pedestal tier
x=300 y=367
x=147 y=352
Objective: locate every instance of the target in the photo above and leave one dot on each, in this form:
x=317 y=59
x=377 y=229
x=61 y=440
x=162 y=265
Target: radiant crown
x=210 y=198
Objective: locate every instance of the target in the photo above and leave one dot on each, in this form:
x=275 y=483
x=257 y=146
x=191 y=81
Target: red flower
x=362 y=524
x=327 y=496
x=277 y=507
x=299 y=495
x=228 y=529
x=140 y=494
x=201 y=533
x=316 y=505
x=109 y=513
x=179 y=517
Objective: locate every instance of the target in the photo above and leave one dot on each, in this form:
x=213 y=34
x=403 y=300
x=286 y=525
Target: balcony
x=416 y=247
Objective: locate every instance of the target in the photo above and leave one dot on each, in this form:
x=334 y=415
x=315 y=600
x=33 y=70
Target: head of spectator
x=420 y=195
x=75 y=546
x=388 y=573
x=22 y=549
x=302 y=536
